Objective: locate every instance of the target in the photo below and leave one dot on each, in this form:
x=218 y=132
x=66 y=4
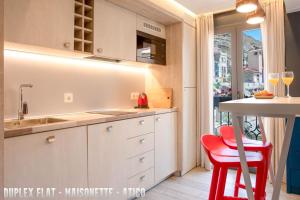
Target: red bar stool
x=227 y=133
x=223 y=158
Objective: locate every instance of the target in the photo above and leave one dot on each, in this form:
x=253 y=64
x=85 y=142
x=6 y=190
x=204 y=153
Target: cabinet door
x=189 y=135
x=51 y=159
x=40 y=22
x=165 y=145
x=107 y=156
x=189 y=56
x=114 y=32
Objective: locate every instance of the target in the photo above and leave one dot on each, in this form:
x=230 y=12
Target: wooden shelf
x=83 y=26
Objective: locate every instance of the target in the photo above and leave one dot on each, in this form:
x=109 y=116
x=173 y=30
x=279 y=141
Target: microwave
x=150 y=49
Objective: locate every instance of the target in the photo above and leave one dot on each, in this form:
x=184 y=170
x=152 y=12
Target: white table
x=278 y=107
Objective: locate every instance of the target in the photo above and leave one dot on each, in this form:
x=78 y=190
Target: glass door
x=238 y=72
x=224 y=84
x=251 y=72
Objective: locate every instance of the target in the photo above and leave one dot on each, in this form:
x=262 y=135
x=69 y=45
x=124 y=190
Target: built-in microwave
x=150 y=49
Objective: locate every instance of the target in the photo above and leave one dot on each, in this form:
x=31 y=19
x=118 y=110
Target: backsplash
x=94 y=84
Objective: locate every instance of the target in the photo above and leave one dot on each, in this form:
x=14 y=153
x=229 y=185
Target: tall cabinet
x=180 y=74
x=189 y=132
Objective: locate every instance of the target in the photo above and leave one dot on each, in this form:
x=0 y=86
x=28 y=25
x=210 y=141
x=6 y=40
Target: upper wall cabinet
x=114 y=32
x=40 y=23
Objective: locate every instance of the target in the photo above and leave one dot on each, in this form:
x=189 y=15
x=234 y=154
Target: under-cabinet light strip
x=78 y=62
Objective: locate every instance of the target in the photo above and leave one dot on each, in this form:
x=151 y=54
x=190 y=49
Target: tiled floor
x=195 y=186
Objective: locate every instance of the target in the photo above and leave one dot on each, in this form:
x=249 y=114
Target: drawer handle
x=100 y=50
x=158 y=119
x=142 y=141
x=142 y=178
x=109 y=129
x=142 y=159
x=67 y=45
x=50 y=139
x=142 y=122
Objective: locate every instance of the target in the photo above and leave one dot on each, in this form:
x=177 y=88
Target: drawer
x=142 y=180
x=140 y=163
x=139 y=145
x=140 y=126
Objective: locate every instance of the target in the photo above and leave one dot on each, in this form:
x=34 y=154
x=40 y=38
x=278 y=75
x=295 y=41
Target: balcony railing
x=251 y=124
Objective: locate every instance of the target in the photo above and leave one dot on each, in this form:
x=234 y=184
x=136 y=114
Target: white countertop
x=263 y=107
x=83 y=119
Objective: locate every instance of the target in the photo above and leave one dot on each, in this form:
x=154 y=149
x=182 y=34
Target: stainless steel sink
x=112 y=112
x=31 y=122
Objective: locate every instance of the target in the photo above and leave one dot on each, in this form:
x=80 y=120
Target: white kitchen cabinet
x=189 y=132
x=50 y=159
x=114 y=32
x=107 y=156
x=165 y=145
x=40 y=23
x=189 y=56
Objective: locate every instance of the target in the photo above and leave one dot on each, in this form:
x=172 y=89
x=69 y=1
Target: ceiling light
x=256 y=17
x=246 y=6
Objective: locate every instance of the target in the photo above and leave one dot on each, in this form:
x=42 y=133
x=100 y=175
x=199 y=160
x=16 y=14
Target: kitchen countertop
x=83 y=119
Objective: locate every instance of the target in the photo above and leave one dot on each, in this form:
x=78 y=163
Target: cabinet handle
x=142 y=177
x=142 y=159
x=109 y=129
x=50 y=139
x=142 y=141
x=142 y=122
x=158 y=119
x=67 y=45
x=100 y=50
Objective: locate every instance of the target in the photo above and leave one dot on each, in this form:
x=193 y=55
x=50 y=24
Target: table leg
x=283 y=156
x=264 y=138
x=236 y=120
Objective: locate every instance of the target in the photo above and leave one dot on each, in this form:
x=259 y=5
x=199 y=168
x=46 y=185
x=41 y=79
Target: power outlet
x=68 y=97
x=134 y=95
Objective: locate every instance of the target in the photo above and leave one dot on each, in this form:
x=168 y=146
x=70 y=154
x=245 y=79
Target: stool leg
x=259 y=185
x=237 y=182
x=214 y=183
x=222 y=183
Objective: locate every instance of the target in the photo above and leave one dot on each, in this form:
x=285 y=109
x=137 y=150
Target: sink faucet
x=23 y=106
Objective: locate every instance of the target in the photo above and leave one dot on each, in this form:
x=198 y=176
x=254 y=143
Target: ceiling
x=205 y=6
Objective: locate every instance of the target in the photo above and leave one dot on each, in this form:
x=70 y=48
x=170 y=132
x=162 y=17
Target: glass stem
x=274 y=90
x=288 y=90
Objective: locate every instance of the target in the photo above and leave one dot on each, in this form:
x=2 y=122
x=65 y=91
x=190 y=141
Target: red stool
x=223 y=158
x=227 y=133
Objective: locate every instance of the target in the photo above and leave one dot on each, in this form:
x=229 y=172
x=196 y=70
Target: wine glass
x=273 y=79
x=287 y=78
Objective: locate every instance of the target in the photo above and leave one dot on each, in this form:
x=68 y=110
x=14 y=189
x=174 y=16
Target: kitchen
x=89 y=52
x=104 y=99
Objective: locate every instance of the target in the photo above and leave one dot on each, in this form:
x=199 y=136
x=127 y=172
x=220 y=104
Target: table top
x=279 y=106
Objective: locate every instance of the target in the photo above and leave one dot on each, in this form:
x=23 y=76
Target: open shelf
x=88 y=47
x=84 y=25
x=88 y=35
x=78 y=8
x=78 y=45
x=78 y=33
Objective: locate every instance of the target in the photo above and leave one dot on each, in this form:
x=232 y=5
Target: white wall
x=95 y=85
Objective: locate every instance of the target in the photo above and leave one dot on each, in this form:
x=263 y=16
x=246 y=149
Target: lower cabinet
x=107 y=157
x=165 y=145
x=51 y=159
x=125 y=154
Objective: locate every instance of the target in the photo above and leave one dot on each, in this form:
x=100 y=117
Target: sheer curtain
x=205 y=48
x=274 y=62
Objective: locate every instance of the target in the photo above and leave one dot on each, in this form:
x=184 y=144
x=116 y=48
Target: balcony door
x=238 y=72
